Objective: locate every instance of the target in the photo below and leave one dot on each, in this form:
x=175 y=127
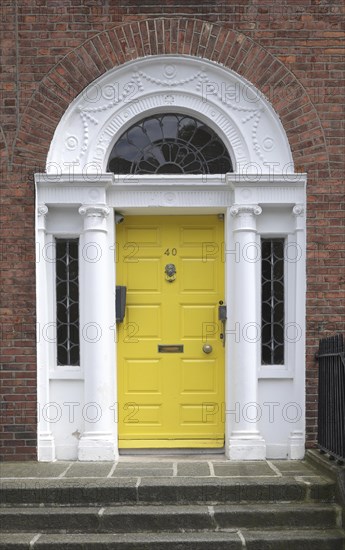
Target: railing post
x=331 y=407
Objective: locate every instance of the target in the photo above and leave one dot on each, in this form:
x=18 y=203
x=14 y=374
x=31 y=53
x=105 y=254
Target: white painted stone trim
x=76 y=182
x=228 y=103
x=46 y=445
x=165 y=191
x=97 y=339
x=279 y=191
x=244 y=441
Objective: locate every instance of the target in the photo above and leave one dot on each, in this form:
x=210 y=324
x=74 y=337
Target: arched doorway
x=260 y=199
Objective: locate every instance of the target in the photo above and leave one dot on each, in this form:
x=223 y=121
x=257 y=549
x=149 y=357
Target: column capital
x=244 y=215
x=94 y=216
x=247 y=209
x=94 y=210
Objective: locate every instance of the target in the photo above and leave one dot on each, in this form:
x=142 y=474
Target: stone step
x=230 y=540
x=166 y=490
x=141 y=518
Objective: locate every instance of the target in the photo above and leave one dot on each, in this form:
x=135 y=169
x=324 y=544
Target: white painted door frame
x=243 y=201
x=76 y=197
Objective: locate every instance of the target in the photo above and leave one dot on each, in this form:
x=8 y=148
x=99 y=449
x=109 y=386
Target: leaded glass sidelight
x=67 y=301
x=272 y=301
x=169 y=144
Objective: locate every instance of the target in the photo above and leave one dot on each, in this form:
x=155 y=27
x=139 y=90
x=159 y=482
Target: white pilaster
x=297 y=437
x=98 y=440
x=45 y=439
x=245 y=441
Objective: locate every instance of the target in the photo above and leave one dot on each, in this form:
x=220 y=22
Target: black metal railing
x=331 y=425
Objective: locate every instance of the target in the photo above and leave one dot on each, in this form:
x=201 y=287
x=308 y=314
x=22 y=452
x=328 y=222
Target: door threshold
x=172 y=452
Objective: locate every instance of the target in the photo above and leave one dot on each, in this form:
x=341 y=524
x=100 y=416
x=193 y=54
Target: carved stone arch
x=181 y=36
x=245 y=121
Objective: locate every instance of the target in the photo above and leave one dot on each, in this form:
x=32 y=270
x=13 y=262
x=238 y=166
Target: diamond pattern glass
x=67 y=301
x=272 y=301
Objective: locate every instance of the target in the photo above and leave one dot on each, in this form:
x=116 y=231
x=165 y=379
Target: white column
x=96 y=338
x=245 y=441
x=297 y=435
x=45 y=439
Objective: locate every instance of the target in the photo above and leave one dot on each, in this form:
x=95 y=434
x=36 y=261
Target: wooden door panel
x=143 y=377
x=198 y=376
x=138 y=315
x=194 y=318
x=163 y=396
x=144 y=276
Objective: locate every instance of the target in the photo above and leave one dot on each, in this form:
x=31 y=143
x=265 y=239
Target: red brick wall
x=292 y=51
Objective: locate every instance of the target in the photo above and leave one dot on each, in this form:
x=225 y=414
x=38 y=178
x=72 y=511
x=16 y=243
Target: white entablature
x=233 y=107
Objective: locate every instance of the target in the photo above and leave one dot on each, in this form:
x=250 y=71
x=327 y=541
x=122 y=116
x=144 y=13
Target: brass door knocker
x=170 y=272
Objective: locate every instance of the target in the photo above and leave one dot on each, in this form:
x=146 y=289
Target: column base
x=296 y=446
x=97 y=449
x=246 y=449
x=46 y=448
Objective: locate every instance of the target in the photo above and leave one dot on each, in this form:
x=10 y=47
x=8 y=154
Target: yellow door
x=171 y=391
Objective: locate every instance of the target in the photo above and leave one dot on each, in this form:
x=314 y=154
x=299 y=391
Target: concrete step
x=175 y=518
x=229 y=540
x=294 y=510
x=110 y=491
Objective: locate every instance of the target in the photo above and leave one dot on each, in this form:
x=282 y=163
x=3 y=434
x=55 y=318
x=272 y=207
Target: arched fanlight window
x=169 y=144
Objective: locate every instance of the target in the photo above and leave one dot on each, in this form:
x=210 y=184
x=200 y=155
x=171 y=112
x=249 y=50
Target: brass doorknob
x=207 y=348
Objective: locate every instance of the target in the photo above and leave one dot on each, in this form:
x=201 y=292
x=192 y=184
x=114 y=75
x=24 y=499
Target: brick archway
x=214 y=42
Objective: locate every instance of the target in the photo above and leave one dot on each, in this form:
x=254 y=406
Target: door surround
x=76 y=197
